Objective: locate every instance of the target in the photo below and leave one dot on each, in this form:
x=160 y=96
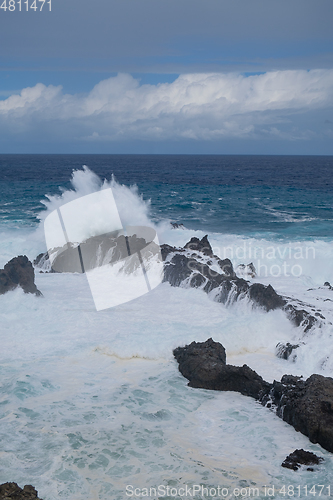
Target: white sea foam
x=92 y=401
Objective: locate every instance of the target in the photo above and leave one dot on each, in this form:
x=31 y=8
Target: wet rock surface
x=307 y=405
x=11 y=491
x=191 y=266
x=18 y=272
x=285 y=351
x=204 y=365
x=266 y=297
x=96 y=251
x=195 y=266
x=42 y=263
x=246 y=271
x=301 y=457
x=301 y=317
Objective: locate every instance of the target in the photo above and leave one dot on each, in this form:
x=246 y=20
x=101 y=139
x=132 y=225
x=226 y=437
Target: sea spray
x=133 y=209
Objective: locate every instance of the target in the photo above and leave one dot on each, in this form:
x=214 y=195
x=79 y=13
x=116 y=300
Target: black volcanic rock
x=300 y=317
x=202 y=245
x=166 y=250
x=201 y=360
x=18 y=272
x=284 y=351
x=227 y=267
x=306 y=405
x=204 y=365
x=177 y=269
x=195 y=266
x=42 y=263
x=11 y=491
x=247 y=270
x=301 y=457
x=266 y=297
x=192 y=269
x=97 y=251
x=40 y=257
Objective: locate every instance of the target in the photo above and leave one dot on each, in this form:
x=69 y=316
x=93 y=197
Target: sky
x=167 y=76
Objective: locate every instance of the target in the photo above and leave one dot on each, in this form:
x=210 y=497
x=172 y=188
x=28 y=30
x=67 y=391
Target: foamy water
x=93 y=401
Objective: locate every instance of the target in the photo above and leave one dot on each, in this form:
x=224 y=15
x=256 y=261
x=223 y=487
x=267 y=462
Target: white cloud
x=195 y=106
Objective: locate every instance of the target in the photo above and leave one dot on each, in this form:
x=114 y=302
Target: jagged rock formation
x=42 y=263
x=300 y=317
x=193 y=266
x=266 y=297
x=177 y=225
x=284 y=351
x=301 y=457
x=18 y=272
x=97 y=251
x=196 y=266
x=307 y=405
x=246 y=271
x=204 y=365
x=11 y=491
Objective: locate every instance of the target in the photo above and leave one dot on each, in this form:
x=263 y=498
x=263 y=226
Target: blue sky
x=168 y=76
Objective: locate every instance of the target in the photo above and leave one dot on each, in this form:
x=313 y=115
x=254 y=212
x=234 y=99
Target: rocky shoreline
x=307 y=405
x=195 y=266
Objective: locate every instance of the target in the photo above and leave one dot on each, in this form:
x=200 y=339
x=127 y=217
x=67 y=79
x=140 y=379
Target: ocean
x=92 y=404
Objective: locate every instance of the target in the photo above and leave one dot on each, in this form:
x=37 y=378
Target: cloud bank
x=290 y=105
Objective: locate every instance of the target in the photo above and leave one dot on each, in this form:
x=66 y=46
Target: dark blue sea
x=272 y=196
